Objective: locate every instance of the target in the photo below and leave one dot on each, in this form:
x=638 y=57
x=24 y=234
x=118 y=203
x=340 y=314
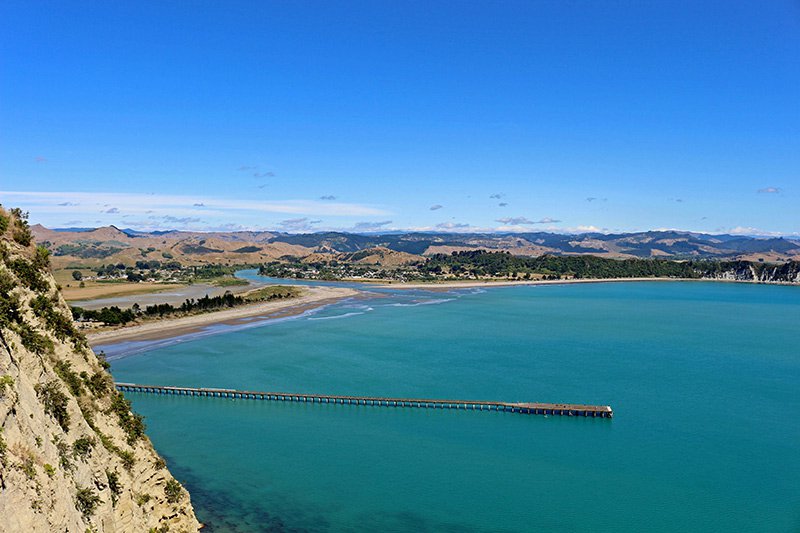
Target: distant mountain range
x=87 y=246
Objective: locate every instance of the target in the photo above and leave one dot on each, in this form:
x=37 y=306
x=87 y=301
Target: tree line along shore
x=486 y=265
x=478 y=265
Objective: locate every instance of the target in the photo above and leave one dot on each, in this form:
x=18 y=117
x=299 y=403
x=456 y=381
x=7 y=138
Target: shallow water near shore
x=703 y=378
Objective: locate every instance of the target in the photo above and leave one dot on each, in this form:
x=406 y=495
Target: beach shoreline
x=312 y=298
x=316 y=296
x=471 y=284
x=483 y=284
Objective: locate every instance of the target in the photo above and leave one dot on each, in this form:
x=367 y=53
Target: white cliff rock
x=73 y=458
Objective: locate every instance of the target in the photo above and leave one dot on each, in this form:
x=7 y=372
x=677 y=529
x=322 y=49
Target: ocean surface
x=704 y=379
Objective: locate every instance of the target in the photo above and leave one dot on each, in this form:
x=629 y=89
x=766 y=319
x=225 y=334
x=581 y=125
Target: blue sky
x=533 y=115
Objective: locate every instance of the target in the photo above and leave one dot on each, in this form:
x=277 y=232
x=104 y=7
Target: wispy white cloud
x=296 y=225
x=148 y=212
x=462 y=227
x=370 y=226
x=586 y=229
x=748 y=230
x=515 y=221
x=520 y=221
x=451 y=226
x=136 y=203
x=769 y=190
x=184 y=221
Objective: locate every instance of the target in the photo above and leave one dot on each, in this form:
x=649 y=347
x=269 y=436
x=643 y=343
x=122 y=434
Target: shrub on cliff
x=86 y=501
x=28 y=274
x=82 y=447
x=114 y=486
x=64 y=370
x=32 y=340
x=61 y=325
x=54 y=402
x=5 y=381
x=173 y=491
x=100 y=383
x=42 y=258
x=22 y=233
x=132 y=423
x=3 y=447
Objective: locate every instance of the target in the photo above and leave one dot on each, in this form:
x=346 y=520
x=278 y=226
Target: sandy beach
x=313 y=297
x=471 y=284
x=172 y=327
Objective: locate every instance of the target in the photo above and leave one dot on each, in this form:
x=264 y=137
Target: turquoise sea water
x=704 y=379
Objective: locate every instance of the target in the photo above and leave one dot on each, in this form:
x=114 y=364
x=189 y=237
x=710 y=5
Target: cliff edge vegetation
x=73 y=456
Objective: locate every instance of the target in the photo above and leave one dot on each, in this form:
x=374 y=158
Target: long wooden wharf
x=558 y=409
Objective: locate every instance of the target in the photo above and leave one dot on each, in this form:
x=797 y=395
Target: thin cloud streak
x=757 y=232
x=515 y=221
x=520 y=221
x=298 y=225
x=136 y=203
x=370 y=226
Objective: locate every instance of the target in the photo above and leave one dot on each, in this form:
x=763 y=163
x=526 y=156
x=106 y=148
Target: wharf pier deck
x=558 y=409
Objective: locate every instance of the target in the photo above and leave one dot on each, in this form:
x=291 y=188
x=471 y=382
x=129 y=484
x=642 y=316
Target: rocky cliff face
x=783 y=273
x=738 y=272
x=788 y=272
x=73 y=457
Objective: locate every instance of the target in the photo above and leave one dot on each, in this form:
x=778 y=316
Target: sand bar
x=172 y=327
x=174 y=294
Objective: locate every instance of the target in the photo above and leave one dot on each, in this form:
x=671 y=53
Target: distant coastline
x=467 y=284
x=317 y=296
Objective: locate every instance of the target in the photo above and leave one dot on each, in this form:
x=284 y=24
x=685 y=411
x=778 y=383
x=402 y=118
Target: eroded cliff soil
x=73 y=457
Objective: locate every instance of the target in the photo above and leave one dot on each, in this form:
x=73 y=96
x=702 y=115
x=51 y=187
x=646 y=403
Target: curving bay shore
x=434 y=285
x=318 y=295
x=472 y=284
x=172 y=327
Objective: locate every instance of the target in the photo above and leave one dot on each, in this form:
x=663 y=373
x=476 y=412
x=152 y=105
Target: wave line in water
x=345 y=315
x=423 y=302
x=120 y=349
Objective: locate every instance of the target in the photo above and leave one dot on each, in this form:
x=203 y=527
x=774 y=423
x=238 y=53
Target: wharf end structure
x=558 y=409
